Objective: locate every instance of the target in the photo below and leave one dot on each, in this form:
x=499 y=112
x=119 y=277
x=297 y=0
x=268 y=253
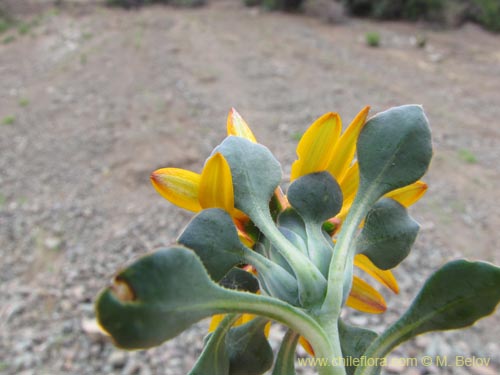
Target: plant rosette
x=253 y=254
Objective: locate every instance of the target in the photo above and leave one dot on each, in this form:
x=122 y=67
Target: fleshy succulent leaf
x=213 y=236
x=255 y=171
x=249 y=351
x=354 y=342
x=214 y=359
x=394 y=150
x=456 y=296
x=291 y=220
x=315 y=196
x=294 y=238
x=388 y=234
x=171 y=291
x=163 y=293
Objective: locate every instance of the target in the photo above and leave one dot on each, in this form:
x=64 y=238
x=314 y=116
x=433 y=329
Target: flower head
x=323 y=147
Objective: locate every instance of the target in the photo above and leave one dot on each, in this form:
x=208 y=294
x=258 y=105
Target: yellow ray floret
x=216 y=184
x=316 y=146
x=306 y=345
x=407 y=195
x=365 y=298
x=386 y=278
x=179 y=186
x=349 y=184
x=238 y=127
x=345 y=148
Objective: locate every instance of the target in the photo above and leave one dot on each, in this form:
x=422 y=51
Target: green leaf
x=316 y=197
x=256 y=173
x=456 y=296
x=265 y=248
x=248 y=348
x=294 y=238
x=285 y=361
x=242 y=350
x=291 y=220
x=394 y=150
x=354 y=342
x=388 y=234
x=171 y=291
x=214 y=359
x=213 y=237
x=163 y=293
x=273 y=279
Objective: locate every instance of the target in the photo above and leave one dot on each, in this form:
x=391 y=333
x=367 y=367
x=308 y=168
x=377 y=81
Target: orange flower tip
x=154 y=176
x=331 y=115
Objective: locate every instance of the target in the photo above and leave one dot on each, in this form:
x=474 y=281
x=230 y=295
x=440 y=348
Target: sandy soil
x=98 y=98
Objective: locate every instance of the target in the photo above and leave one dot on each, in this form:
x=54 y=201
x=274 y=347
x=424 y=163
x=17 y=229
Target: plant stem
x=293 y=317
x=336 y=274
x=343 y=255
x=312 y=284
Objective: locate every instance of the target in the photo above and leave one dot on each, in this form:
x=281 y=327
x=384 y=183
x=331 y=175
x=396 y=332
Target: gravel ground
x=95 y=99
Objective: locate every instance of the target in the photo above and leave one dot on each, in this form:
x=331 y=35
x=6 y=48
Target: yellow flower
x=323 y=147
x=213 y=188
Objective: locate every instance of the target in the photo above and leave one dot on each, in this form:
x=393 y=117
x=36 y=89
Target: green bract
x=288 y=268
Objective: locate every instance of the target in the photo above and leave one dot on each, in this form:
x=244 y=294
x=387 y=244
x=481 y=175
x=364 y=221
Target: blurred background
x=96 y=95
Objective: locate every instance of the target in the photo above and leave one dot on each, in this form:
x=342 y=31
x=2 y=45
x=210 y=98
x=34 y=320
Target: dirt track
x=100 y=98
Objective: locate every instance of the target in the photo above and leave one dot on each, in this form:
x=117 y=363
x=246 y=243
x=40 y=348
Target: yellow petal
x=345 y=148
x=409 y=194
x=386 y=278
x=179 y=186
x=315 y=148
x=238 y=127
x=245 y=318
x=365 y=298
x=214 y=323
x=349 y=185
x=306 y=345
x=216 y=184
x=216 y=319
x=267 y=329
